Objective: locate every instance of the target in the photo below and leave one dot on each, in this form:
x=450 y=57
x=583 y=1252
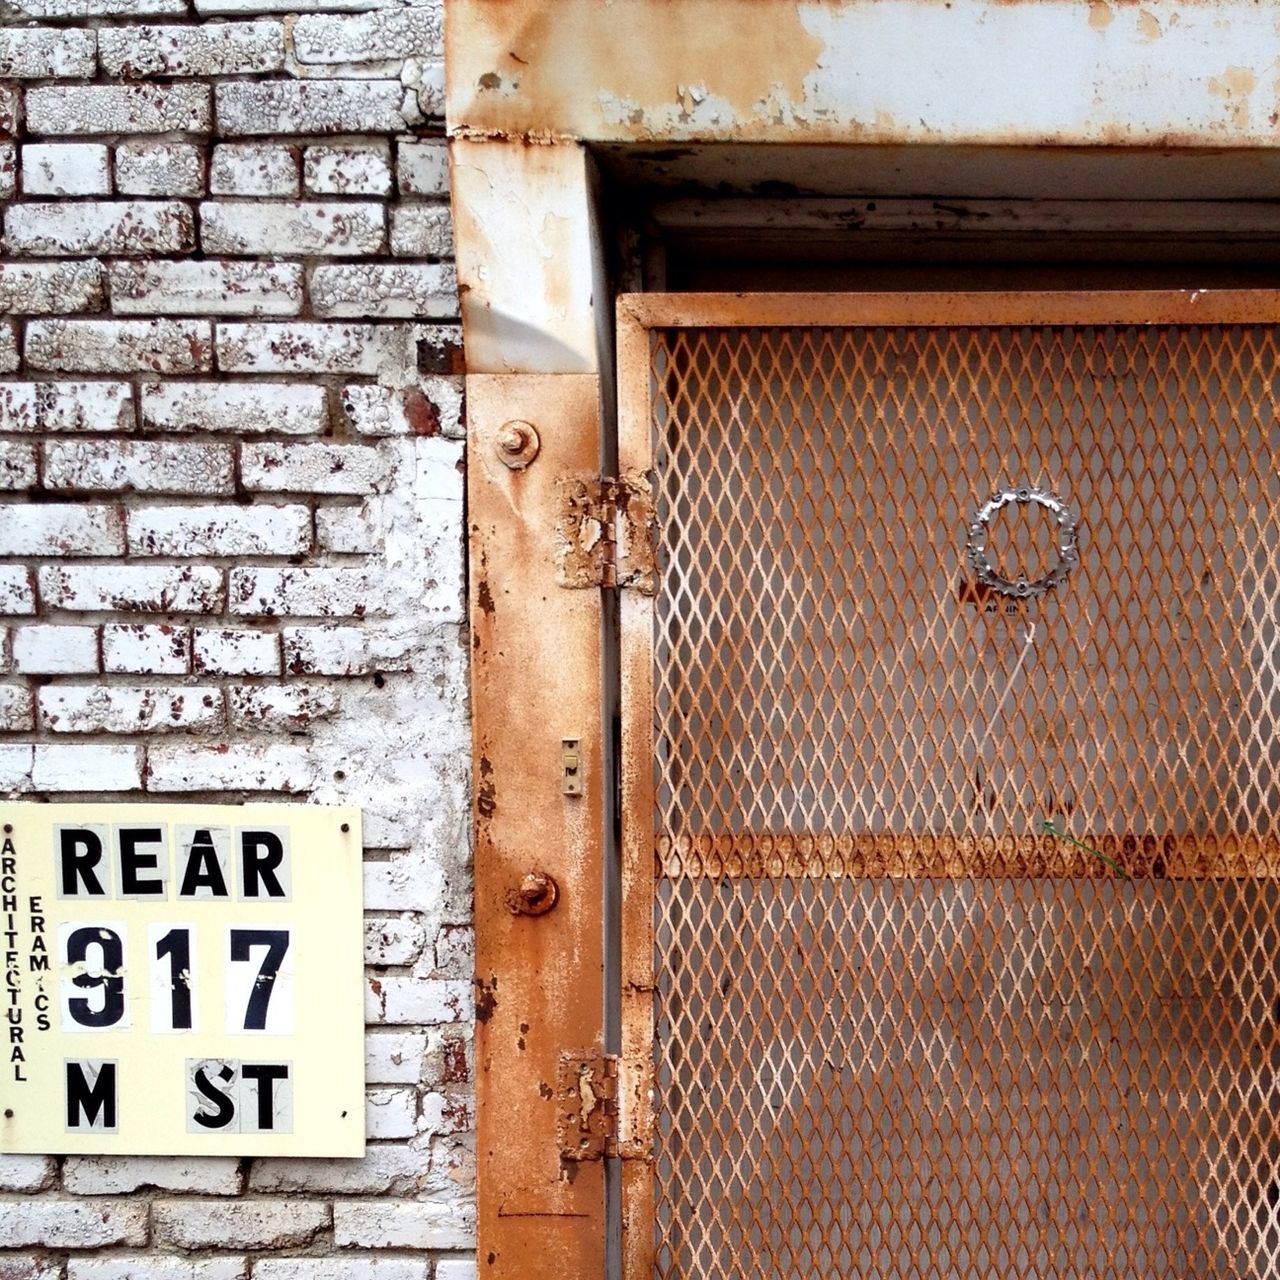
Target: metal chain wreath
x=1067 y=545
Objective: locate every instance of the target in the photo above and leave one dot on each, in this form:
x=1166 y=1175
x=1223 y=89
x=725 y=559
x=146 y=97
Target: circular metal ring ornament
x=1066 y=542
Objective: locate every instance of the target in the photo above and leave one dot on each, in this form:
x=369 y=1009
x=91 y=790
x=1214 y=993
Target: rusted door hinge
x=603 y=1107
x=605 y=532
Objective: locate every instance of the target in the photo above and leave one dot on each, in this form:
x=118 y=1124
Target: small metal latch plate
x=571 y=766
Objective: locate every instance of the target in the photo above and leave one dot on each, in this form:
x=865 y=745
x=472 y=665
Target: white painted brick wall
x=231 y=553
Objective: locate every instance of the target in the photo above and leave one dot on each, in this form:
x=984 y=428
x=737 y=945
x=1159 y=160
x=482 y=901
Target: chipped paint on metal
x=1036 y=72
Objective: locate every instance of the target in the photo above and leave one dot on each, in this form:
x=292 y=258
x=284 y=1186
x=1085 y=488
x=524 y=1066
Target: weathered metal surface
x=959 y=949
x=604 y=532
x=528 y=263
x=536 y=681
x=1061 y=72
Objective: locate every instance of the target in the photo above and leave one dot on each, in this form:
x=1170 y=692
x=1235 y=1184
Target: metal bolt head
x=536 y=895
x=517 y=443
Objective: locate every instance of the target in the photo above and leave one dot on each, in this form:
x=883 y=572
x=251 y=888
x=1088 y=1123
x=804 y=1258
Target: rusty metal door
x=950 y=792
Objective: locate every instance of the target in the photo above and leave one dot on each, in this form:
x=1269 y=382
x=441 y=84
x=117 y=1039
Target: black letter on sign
x=110 y=980
x=133 y=860
x=203 y=870
x=261 y=854
x=266 y=1074
x=276 y=942
x=91 y=1105
x=225 y=1109
x=80 y=851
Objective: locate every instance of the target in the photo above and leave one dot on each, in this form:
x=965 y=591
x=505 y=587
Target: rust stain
x=422 y=415
x=1148 y=25
x=700 y=59
x=1100 y=15
x=1234 y=86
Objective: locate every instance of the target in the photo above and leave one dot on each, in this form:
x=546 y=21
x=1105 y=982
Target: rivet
x=517 y=443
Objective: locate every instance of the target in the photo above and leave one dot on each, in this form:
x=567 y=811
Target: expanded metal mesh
x=967 y=955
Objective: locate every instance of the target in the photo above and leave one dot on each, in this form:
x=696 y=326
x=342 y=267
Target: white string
x=1013 y=675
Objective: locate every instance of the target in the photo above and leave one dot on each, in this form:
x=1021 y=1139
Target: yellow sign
x=182 y=979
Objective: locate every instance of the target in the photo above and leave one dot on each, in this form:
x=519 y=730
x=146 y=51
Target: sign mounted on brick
x=182 y=980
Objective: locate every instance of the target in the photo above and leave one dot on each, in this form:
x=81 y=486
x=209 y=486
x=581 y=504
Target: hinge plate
x=605 y=532
x=599 y=1100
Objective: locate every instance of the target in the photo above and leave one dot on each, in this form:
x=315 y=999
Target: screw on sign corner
x=537 y=894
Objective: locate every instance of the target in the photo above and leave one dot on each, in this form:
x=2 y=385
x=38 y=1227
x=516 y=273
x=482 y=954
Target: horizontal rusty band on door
x=1103 y=856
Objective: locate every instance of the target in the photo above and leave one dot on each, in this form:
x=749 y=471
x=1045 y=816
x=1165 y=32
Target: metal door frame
x=638 y=315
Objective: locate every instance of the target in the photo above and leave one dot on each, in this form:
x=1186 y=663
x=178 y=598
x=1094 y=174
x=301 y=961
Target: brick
x=391 y=1113
x=122 y=588
x=253 y=227
x=38 y=530
x=220 y=531
x=402 y=1224
x=120 y=346
x=55 y=649
x=394 y=1057
x=8 y=185
x=392 y=940
x=68 y=708
x=119 y=108
x=312 y=468
x=87 y=767
x=214 y=49
x=138 y=466
x=100 y=8
x=348 y=530
x=137 y=648
x=154 y=1266
x=18 y=468
x=45 y=53
x=118 y=1175
x=309 y=106
x=27 y=1173
x=254 y=169
x=421 y=231
x=48 y=407
x=456 y=1269
x=347 y=171
x=387 y=411
x=311 y=348
x=305 y=593
x=231 y=767
x=368 y=1268
x=29 y=1266
x=418 y=1001
x=159 y=169
x=422 y=169
x=17 y=591
x=346 y=650
x=121 y=227
x=10 y=108
x=386 y=290
x=51 y=288
x=425 y=77
x=399 y=33
x=237 y=652
x=241 y=7
x=206 y=288
x=286 y=708
x=455 y=950
x=74 y=1224
x=8 y=347
x=242 y=1224
x=65 y=169
x=245 y=407
x=16 y=763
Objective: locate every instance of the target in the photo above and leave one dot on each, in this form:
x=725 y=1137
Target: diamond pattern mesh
x=966 y=944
